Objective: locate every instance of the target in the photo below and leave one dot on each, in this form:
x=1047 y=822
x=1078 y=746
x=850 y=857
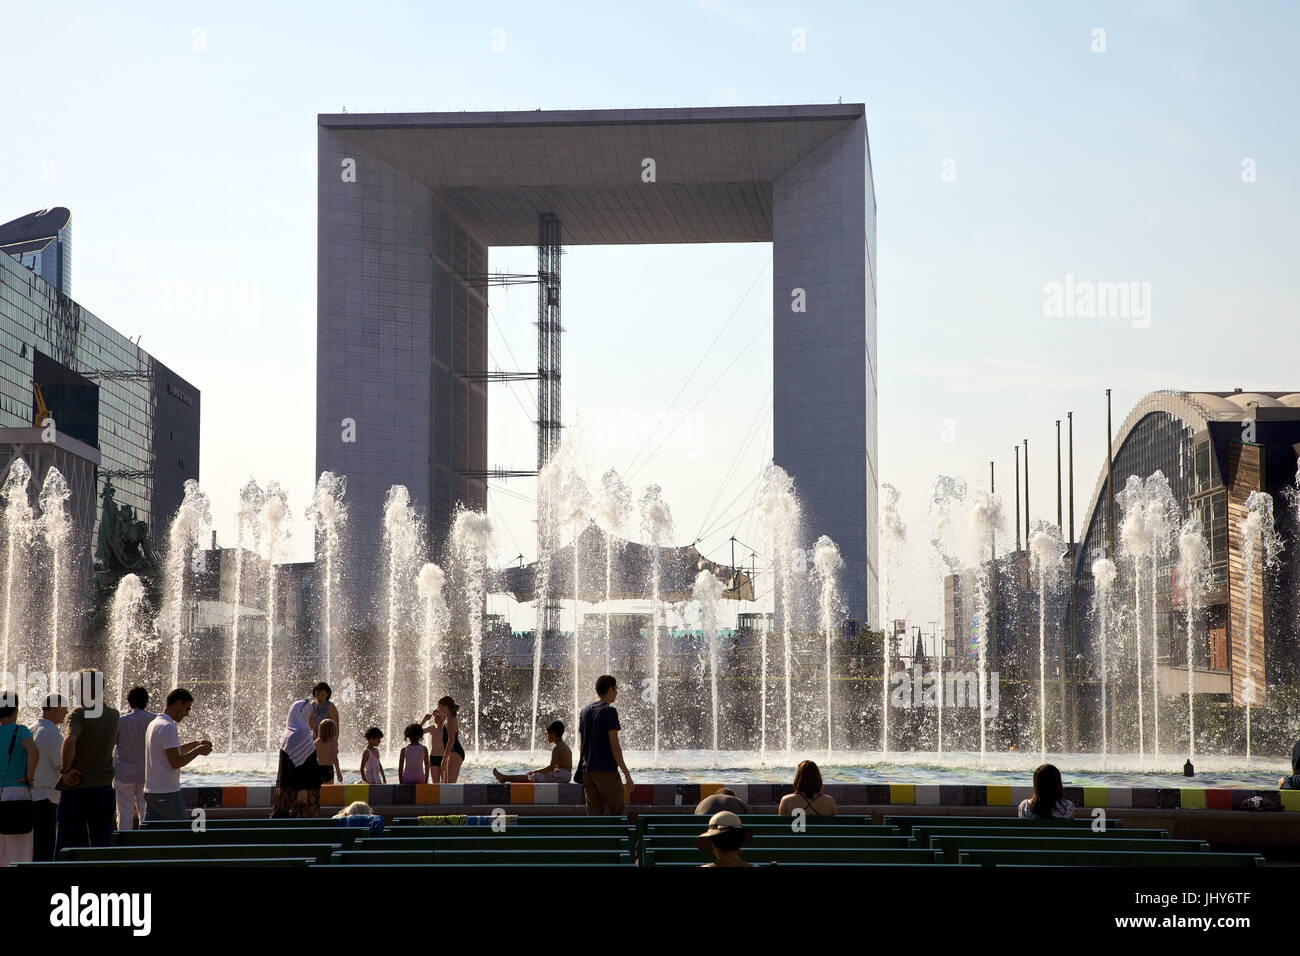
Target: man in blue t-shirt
x=601 y=757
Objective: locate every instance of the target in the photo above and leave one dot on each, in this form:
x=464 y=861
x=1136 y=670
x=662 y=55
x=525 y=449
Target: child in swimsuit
x=372 y=768
x=413 y=762
x=327 y=751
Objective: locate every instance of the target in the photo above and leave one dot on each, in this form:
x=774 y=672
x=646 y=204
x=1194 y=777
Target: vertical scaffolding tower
x=549 y=329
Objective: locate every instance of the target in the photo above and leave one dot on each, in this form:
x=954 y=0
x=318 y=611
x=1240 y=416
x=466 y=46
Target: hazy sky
x=1009 y=149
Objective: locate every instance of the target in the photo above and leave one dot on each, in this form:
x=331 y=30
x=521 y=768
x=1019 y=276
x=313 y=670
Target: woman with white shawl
x=298 y=781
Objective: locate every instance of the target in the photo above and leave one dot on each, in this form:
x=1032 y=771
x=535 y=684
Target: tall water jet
x=247 y=534
x=893 y=534
x=273 y=520
x=615 y=508
x=471 y=536
x=1257 y=529
x=983 y=521
x=56 y=525
x=657 y=523
x=779 y=509
x=1135 y=544
x=124 y=634
x=1194 y=573
x=1046 y=550
x=948 y=490
x=1104 y=573
x=575 y=514
x=429 y=584
x=189 y=527
x=1162 y=516
x=19 y=529
x=401 y=543
x=550 y=485
x=328 y=514
x=707 y=592
x=827 y=562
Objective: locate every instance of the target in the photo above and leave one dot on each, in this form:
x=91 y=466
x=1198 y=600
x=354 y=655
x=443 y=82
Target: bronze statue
x=122 y=548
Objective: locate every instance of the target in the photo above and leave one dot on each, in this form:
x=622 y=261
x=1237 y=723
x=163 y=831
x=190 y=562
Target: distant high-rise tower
x=42 y=241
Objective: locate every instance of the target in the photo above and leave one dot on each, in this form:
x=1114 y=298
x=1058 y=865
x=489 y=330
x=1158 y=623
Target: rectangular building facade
x=409 y=205
x=100 y=387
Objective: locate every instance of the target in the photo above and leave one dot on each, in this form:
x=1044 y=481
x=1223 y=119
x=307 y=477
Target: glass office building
x=101 y=389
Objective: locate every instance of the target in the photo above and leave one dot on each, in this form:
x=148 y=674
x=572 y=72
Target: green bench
x=522 y=821
x=924 y=835
x=486 y=833
x=1106 y=858
x=234 y=862
x=459 y=857
x=805 y=854
x=836 y=866
x=206 y=851
x=645 y=820
x=952 y=846
x=426 y=865
x=906 y=822
x=499 y=841
x=654 y=840
x=251 y=836
x=760 y=829
x=242 y=823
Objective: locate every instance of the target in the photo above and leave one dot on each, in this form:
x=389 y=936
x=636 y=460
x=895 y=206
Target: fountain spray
x=1046 y=549
x=55 y=525
x=328 y=514
x=471 y=535
x=273 y=520
x=983 y=521
x=708 y=591
x=779 y=508
x=615 y=507
x=402 y=542
x=123 y=633
x=827 y=562
x=247 y=534
x=1103 y=573
x=1194 y=573
x=189 y=528
x=430 y=586
x=20 y=527
x=1135 y=542
x=947 y=491
x=1256 y=528
x=657 y=523
x=893 y=534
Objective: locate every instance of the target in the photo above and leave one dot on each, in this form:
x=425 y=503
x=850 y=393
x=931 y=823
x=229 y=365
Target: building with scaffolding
x=117 y=412
x=410 y=203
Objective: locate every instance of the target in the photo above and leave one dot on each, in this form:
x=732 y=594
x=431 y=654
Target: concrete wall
x=824 y=362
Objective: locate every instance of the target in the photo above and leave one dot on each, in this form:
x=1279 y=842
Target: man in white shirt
x=164 y=756
x=45 y=799
x=128 y=758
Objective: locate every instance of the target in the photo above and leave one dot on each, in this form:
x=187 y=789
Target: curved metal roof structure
x=34 y=231
x=1194 y=409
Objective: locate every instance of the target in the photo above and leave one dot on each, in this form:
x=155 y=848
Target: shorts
x=326 y=775
x=553 y=776
x=603 y=791
x=435 y=761
x=164 y=806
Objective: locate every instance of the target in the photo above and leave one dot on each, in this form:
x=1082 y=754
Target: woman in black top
x=453 y=754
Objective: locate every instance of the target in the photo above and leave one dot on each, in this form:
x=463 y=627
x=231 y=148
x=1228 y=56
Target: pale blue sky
x=182 y=137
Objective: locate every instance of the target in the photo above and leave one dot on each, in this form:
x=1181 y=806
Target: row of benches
x=656 y=840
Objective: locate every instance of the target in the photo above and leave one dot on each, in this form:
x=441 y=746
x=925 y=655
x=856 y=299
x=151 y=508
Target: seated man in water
x=1292 y=782
x=559 y=770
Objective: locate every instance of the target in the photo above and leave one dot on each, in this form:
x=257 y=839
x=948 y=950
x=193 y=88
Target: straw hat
x=724 y=821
